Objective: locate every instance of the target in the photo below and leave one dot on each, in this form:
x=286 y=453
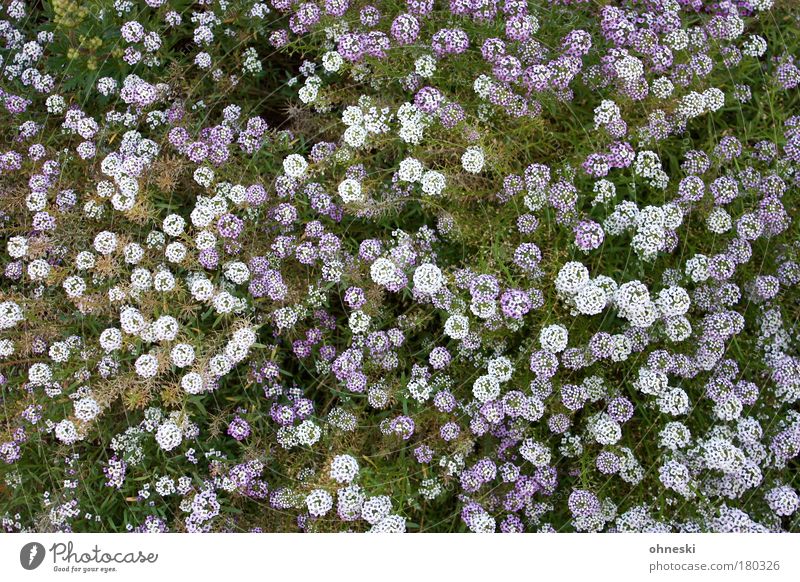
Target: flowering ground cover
x=402 y=265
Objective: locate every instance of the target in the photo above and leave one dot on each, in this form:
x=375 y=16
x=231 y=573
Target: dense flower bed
x=409 y=265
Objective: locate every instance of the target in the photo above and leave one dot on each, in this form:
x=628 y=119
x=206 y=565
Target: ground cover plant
x=403 y=265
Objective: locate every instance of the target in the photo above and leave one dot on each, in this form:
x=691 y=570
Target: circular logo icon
x=31 y=555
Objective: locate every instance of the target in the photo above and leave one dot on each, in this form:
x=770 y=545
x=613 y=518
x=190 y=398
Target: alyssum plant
x=423 y=265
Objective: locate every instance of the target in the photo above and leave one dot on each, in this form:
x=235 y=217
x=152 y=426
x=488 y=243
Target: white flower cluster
x=412 y=170
x=755 y=46
x=652 y=226
x=648 y=166
x=350 y=191
x=604 y=191
x=124 y=171
x=295 y=165
x=586 y=295
x=695 y=104
x=309 y=91
x=344 y=468
x=605 y=113
x=554 y=338
x=364 y=120
x=169 y=435
x=305 y=434
x=413 y=122
x=10 y=314
x=472 y=159
x=428 y=279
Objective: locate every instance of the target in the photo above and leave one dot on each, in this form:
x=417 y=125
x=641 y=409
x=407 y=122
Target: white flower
x=350 y=191
x=319 y=502
x=606 y=112
x=673 y=301
x=629 y=68
x=332 y=61
x=483 y=308
x=39 y=374
x=662 y=88
x=425 y=66
x=352 y=116
x=376 y=508
x=677 y=39
x=754 y=46
x=7 y=349
x=65 y=432
x=393 y=524
x=105 y=242
x=10 y=314
x=486 y=388
x=358 y=322
x=17 y=247
x=456 y=327
x=59 y=352
x=74 y=286
x=133 y=253
x=84 y=261
x=571 y=278
x=146 y=366
x=383 y=271
x=344 y=468
x=236 y=272
x=355 y=136
x=535 y=452
x=204 y=176
x=677 y=328
x=674 y=401
x=205 y=240
x=307 y=433
x=244 y=336
x=55 y=104
x=308 y=93
x=295 y=165
x=604 y=429
x=472 y=159
x=719 y=221
x=224 y=302
x=219 y=365
x=500 y=368
x=86 y=409
x=193 y=383
x=175 y=252
x=201 y=289
x=235 y=352
x=697 y=268
x=38 y=270
x=591 y=299
x=173 y=225
x=714 y=98
x=182 y=355
x=554 y=338
x=433 y=183
x=165 y=328
x=110 y=339
x=169 y=435
x=410 y=170
x=132 y=321
x=428 y=279
x=692 y=105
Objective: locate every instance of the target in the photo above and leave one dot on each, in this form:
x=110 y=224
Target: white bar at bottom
x=410 y=557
